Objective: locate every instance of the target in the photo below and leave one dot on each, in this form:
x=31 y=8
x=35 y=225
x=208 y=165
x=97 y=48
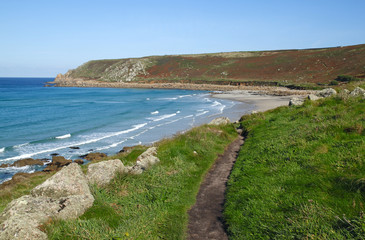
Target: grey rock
x=72 y=207
x=65 y=195
x=296 y=101
x=313 y=97
x=147 y=158
x=326 y=92
x=103 y=172
x=358 y=92
x=21 y=218
x=219 y=121
x=135 y=170
x=144 y=161
x=68 y=181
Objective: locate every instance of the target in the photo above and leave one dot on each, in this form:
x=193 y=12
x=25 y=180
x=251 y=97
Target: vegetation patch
x=152 y=205
x=300 y=173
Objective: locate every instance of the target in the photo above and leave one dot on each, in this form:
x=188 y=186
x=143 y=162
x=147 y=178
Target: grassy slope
x=152 y=205
x=300 y=174
x=284 y=67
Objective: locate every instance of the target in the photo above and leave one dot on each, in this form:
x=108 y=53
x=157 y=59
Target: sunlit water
x=36 y=121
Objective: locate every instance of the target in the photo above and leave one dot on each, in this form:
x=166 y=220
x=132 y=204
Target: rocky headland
x=296 y=69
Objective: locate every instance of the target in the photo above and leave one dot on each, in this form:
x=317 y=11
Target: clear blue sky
x=44 y=38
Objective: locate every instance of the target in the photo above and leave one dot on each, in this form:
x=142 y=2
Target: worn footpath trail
x=205 y=217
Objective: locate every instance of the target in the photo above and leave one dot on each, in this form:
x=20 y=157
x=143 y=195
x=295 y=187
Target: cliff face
x=265 y=67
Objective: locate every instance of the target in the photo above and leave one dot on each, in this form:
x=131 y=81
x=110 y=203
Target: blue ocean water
x=36 y=121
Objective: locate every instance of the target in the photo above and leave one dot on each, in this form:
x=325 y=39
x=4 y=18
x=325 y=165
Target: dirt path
x=205 y=217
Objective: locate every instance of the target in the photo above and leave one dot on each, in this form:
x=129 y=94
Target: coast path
x=205 y=217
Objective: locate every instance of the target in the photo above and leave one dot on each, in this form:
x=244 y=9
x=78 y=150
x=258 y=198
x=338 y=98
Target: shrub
x=346 y=78
x=334 y=83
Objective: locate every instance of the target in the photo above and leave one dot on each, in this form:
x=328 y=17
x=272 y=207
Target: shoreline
x=267 y=90
x=261 y=99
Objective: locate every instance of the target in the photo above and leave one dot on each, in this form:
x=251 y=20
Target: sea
x=37 y=121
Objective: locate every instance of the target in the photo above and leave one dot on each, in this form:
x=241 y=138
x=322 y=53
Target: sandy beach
x=262 y=101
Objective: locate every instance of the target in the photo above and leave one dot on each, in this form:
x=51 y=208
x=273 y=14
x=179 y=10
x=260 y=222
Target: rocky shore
x=61 y=81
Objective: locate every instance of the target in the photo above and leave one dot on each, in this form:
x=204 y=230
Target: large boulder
x=144 y=161
x=219 y=121
x=327 y=92
x=68 y=181
x=21 y=218
x=296 y=101
x=103 y=172
x=65 y=195
x=70 y=188
x=358 y=92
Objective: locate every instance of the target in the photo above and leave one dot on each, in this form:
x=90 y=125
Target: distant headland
x=298 y=69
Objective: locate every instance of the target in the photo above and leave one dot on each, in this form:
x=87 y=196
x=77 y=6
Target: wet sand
x=262 y=101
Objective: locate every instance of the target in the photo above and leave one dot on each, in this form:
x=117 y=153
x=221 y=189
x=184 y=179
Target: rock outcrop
x=103 y=172
x=313 y=97
x=327 y=92
x=296 y=101
x=126 y=70
x=96 y=156
x=23 y=162
x=219 y=121
x=57 y=163
x=358 y=92
x=65 y=195
x=144 y=161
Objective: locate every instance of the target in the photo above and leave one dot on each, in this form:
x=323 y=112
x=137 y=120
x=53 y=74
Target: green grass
x=300 y=173
x=152 y=205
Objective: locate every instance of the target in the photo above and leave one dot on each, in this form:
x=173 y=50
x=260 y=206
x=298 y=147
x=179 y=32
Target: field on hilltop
x=284 y=67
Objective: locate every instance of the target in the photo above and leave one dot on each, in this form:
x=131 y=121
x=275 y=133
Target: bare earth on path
x=205 y=217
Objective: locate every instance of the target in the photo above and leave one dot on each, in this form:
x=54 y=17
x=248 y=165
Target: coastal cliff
x=268 y=68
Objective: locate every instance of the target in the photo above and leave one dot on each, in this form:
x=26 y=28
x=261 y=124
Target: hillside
x=312 y=66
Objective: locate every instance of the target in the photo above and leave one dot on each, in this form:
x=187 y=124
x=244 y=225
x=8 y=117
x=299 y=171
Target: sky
x=41 y=38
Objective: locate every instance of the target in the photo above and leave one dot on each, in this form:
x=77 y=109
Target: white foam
x=5 y=180
x=64 y=136
x=183 y=96
x=2 y=150
x=202 y=113
x=216 y=103
x=174 y=98
x=17 y=169
x=111 y=146
x=155 y=112
x=28 y=155
x=220 y=105
x=222 y=108
x=147 y=99
x=21 y=145
x=157 y=119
